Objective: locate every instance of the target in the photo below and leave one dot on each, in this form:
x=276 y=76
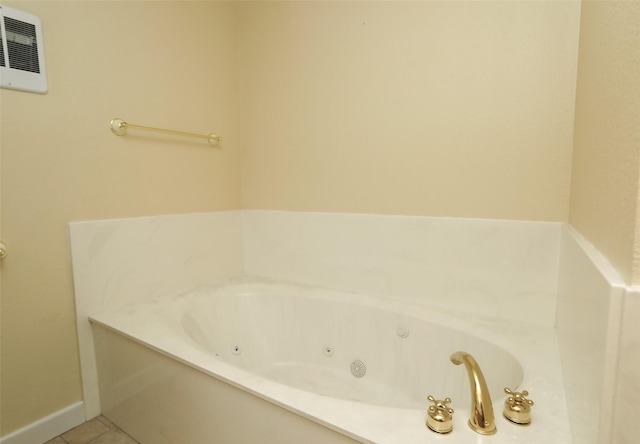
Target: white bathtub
x=253 y=361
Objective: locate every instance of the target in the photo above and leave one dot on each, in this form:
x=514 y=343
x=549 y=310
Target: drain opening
x=358 y=369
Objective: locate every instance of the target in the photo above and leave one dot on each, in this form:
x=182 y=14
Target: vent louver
x=21 y=51
x=22 y=45
x=1 y=50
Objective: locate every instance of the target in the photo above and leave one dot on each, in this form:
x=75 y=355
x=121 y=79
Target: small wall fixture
x=119 y=128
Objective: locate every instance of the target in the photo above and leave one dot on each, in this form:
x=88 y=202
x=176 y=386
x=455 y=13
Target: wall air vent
x=21 y=51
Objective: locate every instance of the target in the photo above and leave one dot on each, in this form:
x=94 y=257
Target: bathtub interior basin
x=340 y=344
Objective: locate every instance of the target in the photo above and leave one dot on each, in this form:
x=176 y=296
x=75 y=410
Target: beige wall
x=167 y=64
x=422 y=108
x=425 y=108
x=606 y=155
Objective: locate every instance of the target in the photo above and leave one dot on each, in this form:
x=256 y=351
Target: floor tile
x=85 y=432
x=106 y=422
x=114 y=437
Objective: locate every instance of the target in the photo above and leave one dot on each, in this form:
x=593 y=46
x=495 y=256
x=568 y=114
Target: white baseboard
x=48 y=427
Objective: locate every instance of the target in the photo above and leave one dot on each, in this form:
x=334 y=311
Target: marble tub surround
x=121 y=261
x=492 y=267
x=625 y=427
x=591 y=296
x=159 y=330
x=516 y=270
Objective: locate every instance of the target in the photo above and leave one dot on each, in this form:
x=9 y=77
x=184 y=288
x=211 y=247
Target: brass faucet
x=482 y=419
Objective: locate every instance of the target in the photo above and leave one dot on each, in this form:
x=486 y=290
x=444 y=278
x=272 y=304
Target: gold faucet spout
x=482 y=419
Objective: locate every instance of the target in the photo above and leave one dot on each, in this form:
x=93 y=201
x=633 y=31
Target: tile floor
x=96 y=431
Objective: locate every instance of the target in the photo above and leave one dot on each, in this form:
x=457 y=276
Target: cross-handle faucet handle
x=439 y=415
x=517 y=408
x=3 y=250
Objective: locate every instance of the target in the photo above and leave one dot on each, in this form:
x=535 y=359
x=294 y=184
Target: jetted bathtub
x=259 y=361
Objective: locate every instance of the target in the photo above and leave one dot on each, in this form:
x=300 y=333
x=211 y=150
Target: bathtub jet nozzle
x=358 y=368
x=482 y=418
